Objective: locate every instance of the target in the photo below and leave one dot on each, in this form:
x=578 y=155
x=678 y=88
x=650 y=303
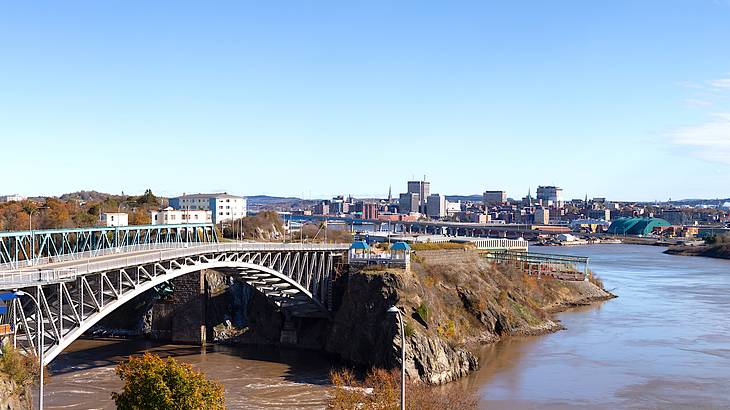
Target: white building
x=223 y=207
x=114 y=219
x=453 y=207
x=12 y=198
x=550 y=195
x=171 y=216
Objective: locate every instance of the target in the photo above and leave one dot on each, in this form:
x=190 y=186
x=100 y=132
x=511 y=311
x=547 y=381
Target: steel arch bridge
x=76 y=294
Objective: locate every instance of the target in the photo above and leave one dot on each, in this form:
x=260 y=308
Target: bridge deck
x=68 y=269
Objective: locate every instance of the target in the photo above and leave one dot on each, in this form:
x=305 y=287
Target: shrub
x=153 y=383
x=594 y=279
x=21 y=369
x=430 y=246
x=381 y=390
x=409 y=330
x=422 y=311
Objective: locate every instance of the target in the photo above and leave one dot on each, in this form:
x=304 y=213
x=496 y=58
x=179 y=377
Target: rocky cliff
x=12 y=396
x=451 y=302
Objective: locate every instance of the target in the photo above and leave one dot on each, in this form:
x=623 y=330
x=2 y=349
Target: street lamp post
x=39 y=318
x=399 y=314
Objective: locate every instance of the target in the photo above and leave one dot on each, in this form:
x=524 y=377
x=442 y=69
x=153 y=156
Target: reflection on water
x=663 y=344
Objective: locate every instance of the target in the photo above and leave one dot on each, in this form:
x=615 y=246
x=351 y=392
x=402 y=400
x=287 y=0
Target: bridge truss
x=29 y=248
x=295 y=277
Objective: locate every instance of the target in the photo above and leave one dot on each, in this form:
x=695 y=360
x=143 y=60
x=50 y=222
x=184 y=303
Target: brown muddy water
x=663 y=344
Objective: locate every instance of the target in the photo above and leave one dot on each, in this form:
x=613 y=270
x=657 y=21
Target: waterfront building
x=436 y=206
x=171 y=216
x=604 y=214
x=114 y=219
x=223 y=207
x=636 y=226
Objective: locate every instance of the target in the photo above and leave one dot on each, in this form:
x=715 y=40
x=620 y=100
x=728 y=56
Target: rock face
x=12 y=396
x=363 y=332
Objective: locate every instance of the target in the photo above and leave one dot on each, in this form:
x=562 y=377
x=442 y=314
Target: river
x=664 y=343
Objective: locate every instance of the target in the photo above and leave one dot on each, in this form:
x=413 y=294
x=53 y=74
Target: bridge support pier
x=187 y=309
x=288 y=331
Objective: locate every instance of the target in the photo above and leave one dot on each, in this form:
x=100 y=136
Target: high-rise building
x=492 y=198
x=550 y=195
x=436 y=206
x=409 y=202
x=423 y=189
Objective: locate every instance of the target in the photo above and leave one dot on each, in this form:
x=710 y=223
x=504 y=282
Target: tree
x=153 y=383
x=148 y=199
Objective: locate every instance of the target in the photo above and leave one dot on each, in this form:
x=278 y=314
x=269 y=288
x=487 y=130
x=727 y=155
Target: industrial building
x=636 y=226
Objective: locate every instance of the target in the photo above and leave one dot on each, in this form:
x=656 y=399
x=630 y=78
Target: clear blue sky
x=624 y=99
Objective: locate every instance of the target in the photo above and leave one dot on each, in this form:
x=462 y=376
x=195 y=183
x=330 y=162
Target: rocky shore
x=710 y=251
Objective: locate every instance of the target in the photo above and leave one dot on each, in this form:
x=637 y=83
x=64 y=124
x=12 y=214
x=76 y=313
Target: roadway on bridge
x=80 y=262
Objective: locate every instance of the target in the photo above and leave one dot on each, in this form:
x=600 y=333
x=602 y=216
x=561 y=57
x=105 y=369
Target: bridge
x=79 y=276
x=472 y=229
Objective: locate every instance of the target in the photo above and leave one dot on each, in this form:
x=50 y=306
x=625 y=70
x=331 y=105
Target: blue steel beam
x=18 y=248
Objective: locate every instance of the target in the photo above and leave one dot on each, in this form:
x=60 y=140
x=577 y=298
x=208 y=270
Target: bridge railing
x=28 y=248
x=92 y=254
x=20 y=278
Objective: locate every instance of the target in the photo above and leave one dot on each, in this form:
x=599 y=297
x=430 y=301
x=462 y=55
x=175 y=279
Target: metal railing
x=29 y=277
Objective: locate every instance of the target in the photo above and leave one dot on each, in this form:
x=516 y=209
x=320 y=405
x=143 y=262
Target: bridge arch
x=295 y=278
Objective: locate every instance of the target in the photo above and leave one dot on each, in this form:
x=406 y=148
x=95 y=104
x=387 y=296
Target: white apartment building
x=12 y=198
x=223 y=207
x=171 y=216
x=114 y=219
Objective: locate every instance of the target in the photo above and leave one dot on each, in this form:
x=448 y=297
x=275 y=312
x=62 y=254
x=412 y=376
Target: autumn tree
x=153 y=383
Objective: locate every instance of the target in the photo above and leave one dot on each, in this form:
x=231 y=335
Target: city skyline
x=626 y=100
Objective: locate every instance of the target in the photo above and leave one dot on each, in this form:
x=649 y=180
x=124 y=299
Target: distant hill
x=86 y=196
x=464 y=198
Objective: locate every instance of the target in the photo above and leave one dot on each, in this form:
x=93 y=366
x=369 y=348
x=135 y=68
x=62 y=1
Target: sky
x=624 y=99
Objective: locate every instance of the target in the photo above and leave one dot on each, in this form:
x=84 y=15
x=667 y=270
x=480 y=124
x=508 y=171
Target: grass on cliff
x=474 y=298
x=381 y=390
x=21 y=369
x=436 y=246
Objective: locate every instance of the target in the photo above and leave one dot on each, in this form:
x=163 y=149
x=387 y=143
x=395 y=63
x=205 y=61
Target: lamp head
x=393 y=309
x=19 y=293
